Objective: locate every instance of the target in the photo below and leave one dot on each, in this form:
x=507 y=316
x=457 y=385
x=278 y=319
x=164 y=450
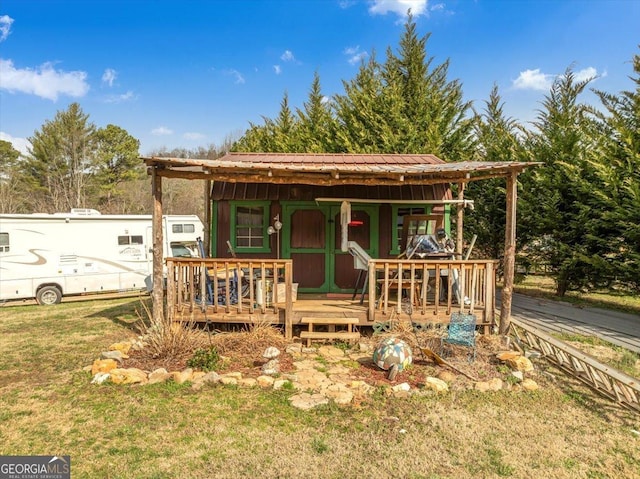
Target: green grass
x=48 y=406
x=544 y=287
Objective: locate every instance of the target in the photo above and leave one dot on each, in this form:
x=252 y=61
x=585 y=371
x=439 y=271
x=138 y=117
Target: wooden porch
x=240 y=291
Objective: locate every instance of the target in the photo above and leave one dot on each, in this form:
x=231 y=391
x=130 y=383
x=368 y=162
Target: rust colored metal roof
x=332 y=169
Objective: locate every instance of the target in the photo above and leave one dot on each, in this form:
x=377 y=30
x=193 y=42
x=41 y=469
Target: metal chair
x=461 y=332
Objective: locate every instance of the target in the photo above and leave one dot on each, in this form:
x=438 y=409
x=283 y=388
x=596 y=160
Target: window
x=249 y=222
x=126 y=240
x=4 y=242
x=184 y=228
x=399 y=211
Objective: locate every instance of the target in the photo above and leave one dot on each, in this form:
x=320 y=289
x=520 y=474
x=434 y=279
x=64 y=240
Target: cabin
x=332 y=241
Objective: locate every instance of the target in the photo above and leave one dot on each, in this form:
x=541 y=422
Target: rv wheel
x=48 y=295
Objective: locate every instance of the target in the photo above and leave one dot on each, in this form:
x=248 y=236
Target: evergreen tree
x=61 y=160
x=316 y=127
x=497 y=140
x=11 y=199
x=117 y=163
x=555 y=207
x=615 y=200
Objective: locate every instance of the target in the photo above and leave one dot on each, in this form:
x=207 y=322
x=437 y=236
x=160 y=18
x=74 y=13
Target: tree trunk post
x=509 y=253
x=207 y=218
x=460 y=220
x=158 y=280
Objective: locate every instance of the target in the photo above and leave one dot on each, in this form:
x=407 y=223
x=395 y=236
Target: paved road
x=618 y=328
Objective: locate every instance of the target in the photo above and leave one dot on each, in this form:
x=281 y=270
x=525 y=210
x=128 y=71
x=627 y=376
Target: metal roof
x=332 y=169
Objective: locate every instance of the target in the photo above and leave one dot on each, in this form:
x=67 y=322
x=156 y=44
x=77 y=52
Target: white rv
x=48 y=256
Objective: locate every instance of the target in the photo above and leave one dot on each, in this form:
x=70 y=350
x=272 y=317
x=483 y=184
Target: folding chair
x=461 y=332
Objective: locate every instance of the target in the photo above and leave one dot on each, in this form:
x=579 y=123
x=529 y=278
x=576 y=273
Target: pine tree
x=61 y=161
x=616 y=199
x=555 y=207
x=497 y=140
x=316 y=128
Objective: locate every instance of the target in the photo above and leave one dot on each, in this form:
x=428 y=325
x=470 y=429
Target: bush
x=205 y=359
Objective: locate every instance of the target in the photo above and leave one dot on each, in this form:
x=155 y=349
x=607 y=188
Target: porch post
x=509 y=253
x=207 y=218
x=158 y=289
x=460 y=220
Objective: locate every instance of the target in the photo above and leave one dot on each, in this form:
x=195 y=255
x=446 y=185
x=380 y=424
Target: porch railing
x=230 y=286
x=430 y=290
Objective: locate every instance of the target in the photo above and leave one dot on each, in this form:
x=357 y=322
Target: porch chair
x=461 y=332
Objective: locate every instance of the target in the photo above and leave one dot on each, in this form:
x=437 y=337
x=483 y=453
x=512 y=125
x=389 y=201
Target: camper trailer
x=48 y=256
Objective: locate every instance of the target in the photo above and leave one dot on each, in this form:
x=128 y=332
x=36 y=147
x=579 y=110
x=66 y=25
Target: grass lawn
x=48 y=406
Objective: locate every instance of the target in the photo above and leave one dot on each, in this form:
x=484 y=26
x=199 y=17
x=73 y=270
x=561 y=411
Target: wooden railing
x=246 y=289
x=430 y=290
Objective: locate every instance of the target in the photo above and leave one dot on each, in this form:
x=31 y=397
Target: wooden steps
x=347 y=334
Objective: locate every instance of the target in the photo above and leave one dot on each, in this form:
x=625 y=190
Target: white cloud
x=239 y=79
x=20 y=144
x=354 y=54
x=533 y=80
x=109 y=76
x=120 y=98
x=588 y=74
x=277 y=69
x=287 y=56
x=399 y=7
x=5 y=27
x=45 y=81
x=193 y=136
x=346 y=3
x=161 y=131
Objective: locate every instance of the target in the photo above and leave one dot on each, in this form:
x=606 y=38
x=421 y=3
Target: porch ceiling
x=332 y=169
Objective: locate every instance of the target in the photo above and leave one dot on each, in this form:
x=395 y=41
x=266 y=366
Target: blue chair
x=461 y=332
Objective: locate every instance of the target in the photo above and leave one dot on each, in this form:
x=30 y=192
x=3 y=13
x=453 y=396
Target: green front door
x=312 y=239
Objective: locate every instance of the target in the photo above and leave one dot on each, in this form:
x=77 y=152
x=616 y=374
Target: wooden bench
x=349 y=334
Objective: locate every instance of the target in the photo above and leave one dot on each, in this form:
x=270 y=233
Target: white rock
x=271 y=353
x=99 y=378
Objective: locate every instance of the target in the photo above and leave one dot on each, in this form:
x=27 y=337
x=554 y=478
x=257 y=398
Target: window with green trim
x=249 y=222
x=398 y=212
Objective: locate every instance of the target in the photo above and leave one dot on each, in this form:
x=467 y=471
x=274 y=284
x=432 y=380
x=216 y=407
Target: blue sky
x=183 y=74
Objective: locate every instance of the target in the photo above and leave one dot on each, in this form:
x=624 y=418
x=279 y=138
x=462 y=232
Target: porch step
x=349 y=334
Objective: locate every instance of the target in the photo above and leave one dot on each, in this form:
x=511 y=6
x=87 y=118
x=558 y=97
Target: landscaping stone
x=123 y=347
x=128 y=376
x=294 y=349
x=247 y=382
x=280 y=383
x=308 y=401
x=271 y=367
x=229 y=381
x=236 y=375
x=211 y=377
x=446 y=376
x=506 y=355
x=331 y=353
x=405 y=387
x=115 y=355
x=181 y=377
x=436 y=384
x=494 y=384
x=519 y=375
x=103 y=366
x=265 y=381
x=521 y=364
x=100 y=378
x=159 y=375
x=530 y=385
x=271 y=353
x=339 y=393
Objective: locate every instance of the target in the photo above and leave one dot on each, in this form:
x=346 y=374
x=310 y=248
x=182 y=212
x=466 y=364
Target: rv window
x=124 y=240
x=184 y=228
x=4 y=242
